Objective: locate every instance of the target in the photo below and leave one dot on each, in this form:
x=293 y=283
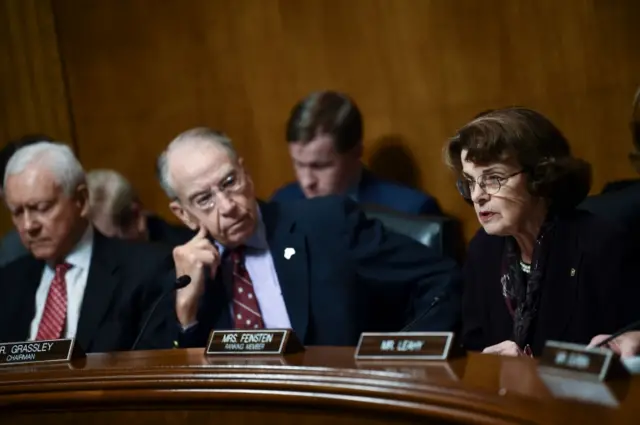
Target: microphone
x=179 y=283
x=435 y=302
x=629 y=327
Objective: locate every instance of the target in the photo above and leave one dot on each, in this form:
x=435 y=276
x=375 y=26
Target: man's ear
x=81 y=196
x=183 y=215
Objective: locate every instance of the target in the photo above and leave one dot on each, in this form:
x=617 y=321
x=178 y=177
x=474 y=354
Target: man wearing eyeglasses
x=317 y=266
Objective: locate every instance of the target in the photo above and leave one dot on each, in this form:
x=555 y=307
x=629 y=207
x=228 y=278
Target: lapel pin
x=288 y=253
x=573 y=272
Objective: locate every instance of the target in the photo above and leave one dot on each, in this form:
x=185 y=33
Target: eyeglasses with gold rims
x=489 y=183
x=232 y=184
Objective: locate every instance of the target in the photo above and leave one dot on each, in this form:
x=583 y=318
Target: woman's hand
x=505 y=348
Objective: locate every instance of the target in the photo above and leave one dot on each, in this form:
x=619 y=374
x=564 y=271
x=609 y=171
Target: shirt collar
x=80 y=256
x=352 y=191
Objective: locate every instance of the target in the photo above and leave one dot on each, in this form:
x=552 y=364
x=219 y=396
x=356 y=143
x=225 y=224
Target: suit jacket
x=621 y=206
x=161 y=231
x=588 y=286
x=616 y=185
x=11 y=248
x=376 y=191
x=125 y=279
x=348 y=275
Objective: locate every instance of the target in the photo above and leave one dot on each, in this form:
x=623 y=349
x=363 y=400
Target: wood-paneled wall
x=140 y=71
x=32 y=90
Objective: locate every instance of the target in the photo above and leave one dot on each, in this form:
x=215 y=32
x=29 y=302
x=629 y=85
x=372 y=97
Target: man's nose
x=30 y=222
x=307 y=178
x=225 y=204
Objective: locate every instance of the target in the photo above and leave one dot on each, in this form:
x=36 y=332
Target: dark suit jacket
x=376 y=191
x=348 y=275
x=587 y=289
x=161 y=231
x=621 y=206
x=616 y=185
x=125 y=279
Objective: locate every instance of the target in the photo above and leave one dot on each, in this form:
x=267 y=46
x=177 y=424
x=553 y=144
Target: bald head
x=195 y=140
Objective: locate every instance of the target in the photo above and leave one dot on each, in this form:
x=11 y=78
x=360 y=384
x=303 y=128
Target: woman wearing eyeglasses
x=539 y=269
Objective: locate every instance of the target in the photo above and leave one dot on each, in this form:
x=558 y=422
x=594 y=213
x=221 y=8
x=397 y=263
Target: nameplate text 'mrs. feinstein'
x=244 y=342
x=57 y=350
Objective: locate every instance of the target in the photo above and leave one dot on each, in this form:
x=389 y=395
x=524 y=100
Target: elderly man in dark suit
x=317 y=266
x=75 y=282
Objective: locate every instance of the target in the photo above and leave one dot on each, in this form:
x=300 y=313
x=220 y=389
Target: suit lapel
x=22 y=282
x=561 y=281
x=289 y=253
x=101 y=282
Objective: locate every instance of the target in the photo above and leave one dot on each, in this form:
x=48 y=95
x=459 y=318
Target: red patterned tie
x=55 y=309
x=246 y=311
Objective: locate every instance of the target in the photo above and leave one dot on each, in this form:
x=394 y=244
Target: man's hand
x=626 y=345
x=505 y=348
x=191 y=259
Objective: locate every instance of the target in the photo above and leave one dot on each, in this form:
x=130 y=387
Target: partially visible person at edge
x=625 y=345
x=11 y=247
x=325 y=134
x=538 y=269
x=619 y=201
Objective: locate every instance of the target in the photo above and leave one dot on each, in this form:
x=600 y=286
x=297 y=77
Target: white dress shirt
x=76 y=280
x=262 y=271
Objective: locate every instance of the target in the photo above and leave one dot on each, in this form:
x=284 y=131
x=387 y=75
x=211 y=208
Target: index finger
x=202 y=233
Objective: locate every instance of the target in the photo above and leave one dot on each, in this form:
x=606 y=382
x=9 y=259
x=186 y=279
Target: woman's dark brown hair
x=535 y=143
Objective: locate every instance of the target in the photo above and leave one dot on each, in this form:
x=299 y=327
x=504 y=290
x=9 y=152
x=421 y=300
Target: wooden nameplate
x=596 y=363
x=251 y=342
x=405 y=346
x=49 y=351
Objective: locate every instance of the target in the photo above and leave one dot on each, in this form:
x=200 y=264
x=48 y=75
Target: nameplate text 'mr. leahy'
x=249 y=342
x=404 y=345
x=56 y=350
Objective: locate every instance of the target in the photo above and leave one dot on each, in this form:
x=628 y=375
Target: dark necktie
x=246 y=311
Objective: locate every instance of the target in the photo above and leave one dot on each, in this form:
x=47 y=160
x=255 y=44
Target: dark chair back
x=441 y=233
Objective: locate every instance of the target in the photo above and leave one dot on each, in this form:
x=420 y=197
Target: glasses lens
x=492 y=185
x=463 y=188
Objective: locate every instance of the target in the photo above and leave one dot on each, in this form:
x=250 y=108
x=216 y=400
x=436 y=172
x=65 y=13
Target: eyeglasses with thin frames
x=233 y=184
x=490 y=184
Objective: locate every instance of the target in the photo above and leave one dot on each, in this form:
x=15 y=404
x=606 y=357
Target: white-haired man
x=317 y=266
x=76 y=282
x=116 y=211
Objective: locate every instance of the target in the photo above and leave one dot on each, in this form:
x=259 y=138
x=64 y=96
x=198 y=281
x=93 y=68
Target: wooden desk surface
x=322 y=385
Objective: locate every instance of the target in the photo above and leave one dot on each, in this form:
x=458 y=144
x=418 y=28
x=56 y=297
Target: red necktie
x=246 y=311
x=55 y=309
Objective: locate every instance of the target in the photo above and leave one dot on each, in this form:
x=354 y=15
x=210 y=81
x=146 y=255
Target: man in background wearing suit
x=325 y=135
x=620 y=201
x=75 y=282
x=317 y=266
x=116 y=211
